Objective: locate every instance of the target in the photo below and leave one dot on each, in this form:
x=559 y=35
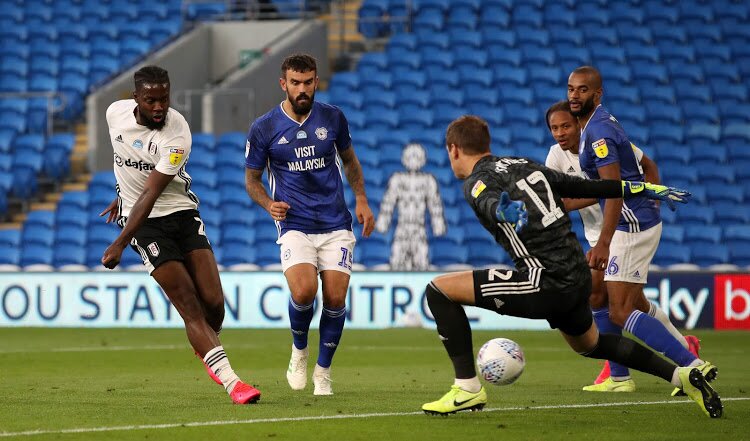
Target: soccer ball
x=500 y=361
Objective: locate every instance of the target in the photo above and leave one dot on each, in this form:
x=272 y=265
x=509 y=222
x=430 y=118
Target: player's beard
x=299 y=108
x=150 y=123
x=586 y=108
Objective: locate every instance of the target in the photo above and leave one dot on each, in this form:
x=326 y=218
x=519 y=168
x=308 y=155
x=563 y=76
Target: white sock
x=676 y=378
x=656 y=312
x=216 y=359
x=469 y=384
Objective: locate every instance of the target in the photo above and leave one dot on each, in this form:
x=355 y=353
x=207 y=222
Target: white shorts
x=328 y=251
x=630 y=255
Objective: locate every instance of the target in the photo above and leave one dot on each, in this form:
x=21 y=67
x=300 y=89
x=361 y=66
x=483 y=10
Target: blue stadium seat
x=705 y=256
x=437 y=58
x=470 y=58
x=71 y=234
x=730 y=212
x=444 y=251
x=739 y=254
x=670 y=254
x=494 y=17
x=403 y=41
x=68 y=214
x=10 y=238
x=556 y=14
x=517 y=76
x=68 y=254
x=373 y=253
x=370 y=23
x=462 y=19
x=442 y=75
x=442 y=95
x=673 y=234
x=36 y=254
x=498 y=38
x=102 y=233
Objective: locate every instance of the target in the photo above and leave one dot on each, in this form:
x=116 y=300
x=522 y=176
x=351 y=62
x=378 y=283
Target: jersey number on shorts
x=346 y=258
x=549 y=215
x=201 y=228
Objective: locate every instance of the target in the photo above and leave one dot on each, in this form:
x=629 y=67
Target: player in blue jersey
x=563 y=157
x=630 y=230
x=298 y=142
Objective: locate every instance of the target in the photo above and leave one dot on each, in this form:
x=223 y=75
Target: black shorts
x=534 y=296
x=169 y=237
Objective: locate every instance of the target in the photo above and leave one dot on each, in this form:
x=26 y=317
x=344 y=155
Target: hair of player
x=150 y=75
x=470 y=133
x=560 y=106
x=299 y=63
x=593 y=73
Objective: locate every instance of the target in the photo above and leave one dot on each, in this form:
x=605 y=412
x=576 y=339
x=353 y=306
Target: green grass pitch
x=139 y=384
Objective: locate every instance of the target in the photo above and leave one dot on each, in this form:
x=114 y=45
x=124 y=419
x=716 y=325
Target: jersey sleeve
x=256 y=149
x=174 y=152
x=343 y=137
x=553 y=159
x=603 y=143
x=482 y=193
x=569 y=186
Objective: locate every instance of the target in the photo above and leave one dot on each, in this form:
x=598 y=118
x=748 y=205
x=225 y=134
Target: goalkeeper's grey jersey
x=138 y=150
x=546 y=241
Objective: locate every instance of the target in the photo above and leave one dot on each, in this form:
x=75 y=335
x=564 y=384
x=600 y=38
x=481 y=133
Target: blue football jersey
x=604 y=142
x=303 y=166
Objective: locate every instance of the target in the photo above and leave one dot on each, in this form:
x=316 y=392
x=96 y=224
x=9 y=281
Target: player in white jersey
x=563 y=157
x=159 y=218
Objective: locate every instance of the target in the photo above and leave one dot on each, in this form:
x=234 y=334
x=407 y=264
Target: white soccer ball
x=500 y=361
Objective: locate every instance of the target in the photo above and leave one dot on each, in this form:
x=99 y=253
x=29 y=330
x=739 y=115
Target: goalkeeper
x=519 y=203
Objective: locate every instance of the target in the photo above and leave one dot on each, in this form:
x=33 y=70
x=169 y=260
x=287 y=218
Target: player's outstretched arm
x=152 y=189
x=353 y=171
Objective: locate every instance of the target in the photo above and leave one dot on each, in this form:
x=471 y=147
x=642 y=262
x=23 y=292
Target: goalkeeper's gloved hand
x=670 y=195
x=511 y=212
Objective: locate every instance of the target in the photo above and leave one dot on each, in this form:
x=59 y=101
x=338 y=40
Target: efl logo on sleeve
x=478 y=189
x=175 y=155
x=600 y=148
x=732 y=302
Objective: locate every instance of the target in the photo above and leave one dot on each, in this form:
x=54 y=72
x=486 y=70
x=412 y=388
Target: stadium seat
x=36 y=254
x=670 y=254
x=70 y=254
x=444 y=251
x=706 y=256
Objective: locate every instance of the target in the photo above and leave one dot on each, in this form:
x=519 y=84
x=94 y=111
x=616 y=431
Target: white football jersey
x=566 y=162
x=138 y=150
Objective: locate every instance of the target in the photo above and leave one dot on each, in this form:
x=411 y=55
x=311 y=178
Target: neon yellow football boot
x=696 y=387
x=610 y=385
x=456 y=400
x=709 y=372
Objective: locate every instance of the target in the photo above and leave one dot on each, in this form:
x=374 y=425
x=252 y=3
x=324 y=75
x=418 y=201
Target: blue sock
x=331 y=327
x=605 y=325
x=655 y=335
x=300 y=317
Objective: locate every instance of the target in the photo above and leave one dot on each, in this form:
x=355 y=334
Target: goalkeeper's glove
x=511 y=212
x=670 y=195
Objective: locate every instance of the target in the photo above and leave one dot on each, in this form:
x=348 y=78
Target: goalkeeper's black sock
x=454 y=330
x=631 y=354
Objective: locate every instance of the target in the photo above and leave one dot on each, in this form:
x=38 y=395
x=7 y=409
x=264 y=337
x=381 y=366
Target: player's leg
x=630 y=255
x=599 y=306
x=445 y=296
x=590 y=343
x=178 y=285
x=335 y=256
x=299 y=262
